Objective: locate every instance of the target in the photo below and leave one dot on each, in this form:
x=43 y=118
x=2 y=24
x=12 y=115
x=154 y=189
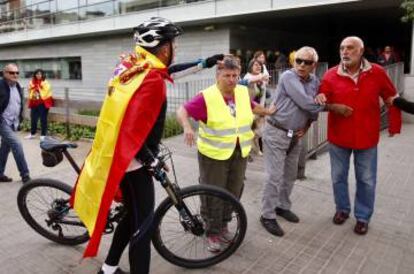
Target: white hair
x=9 y=65
x=356 y=39
x=310 y=50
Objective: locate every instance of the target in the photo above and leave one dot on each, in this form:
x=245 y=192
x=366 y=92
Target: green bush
x=89 y=112
x=172 y=128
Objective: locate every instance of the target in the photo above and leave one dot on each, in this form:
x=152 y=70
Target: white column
x=412 y=50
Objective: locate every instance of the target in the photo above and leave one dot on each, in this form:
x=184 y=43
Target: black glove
x=212 y=60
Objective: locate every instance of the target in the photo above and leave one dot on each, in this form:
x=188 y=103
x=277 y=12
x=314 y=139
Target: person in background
x=257 y=90
x=11 y=110
x=40 y=100
x=260 y=56
x=387 y=57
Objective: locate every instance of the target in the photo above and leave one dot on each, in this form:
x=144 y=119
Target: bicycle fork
x=187 y=219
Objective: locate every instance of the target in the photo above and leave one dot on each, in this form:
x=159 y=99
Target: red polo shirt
x=361 y=129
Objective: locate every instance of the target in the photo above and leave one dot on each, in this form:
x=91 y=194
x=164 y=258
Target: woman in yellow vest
x=40 y=101
x=225 y=115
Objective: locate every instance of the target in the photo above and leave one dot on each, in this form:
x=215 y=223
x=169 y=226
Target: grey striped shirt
x=294 y=99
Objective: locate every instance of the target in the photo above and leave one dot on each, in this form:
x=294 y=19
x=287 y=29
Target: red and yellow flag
x=131 y=107
x=40 y=93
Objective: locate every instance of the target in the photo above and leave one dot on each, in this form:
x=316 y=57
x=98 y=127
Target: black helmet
x=154 y=31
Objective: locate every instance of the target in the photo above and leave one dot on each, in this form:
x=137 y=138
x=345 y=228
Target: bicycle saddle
x=50 y=144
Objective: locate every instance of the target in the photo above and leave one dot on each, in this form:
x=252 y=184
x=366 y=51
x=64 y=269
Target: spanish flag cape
x=40 y=93
x=135 y=96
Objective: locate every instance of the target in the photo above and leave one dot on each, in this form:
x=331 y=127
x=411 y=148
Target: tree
x=408 y=6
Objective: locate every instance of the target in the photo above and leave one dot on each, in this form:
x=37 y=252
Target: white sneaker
x=30 y=136
x=226 y=237
x=42 y=138
x=213 y=244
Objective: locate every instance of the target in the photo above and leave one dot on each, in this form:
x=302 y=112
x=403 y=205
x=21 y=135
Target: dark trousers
x=138 y=197
x=37 y=112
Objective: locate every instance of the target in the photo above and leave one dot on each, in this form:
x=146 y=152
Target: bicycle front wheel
x=44 y=205
x=221 y=227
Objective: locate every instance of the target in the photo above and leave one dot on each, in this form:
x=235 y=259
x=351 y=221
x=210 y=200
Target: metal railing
x=71 y=100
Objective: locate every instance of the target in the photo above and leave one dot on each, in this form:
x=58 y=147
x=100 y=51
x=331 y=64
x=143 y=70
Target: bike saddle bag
x=51 y=158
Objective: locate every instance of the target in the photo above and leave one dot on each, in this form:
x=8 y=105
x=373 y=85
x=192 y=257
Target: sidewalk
x=314 y=245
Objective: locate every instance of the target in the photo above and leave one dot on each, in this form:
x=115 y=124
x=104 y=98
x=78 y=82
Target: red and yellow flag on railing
x=131 y=107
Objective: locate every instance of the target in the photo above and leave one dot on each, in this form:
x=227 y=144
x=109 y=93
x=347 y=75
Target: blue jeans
x=9 y=141
x=365 y=164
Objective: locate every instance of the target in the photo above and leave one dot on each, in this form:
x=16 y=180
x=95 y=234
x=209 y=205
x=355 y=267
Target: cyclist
x=128 y=132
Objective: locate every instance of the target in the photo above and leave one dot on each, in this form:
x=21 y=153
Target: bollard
x=67 y=118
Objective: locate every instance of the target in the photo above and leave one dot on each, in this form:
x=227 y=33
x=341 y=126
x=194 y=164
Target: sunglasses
x=299 y=61
x=13 y=72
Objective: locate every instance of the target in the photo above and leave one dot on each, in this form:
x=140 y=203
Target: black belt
x=294 y=138
x=276 y=125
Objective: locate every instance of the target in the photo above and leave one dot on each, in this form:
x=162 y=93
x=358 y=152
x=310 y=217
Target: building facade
x=77 y=42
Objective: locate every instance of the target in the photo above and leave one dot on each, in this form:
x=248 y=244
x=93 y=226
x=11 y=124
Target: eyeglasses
x=299 y=61
x=13 y=72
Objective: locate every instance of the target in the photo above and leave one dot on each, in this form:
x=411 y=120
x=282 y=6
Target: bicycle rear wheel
x=44 y=205
x=191 y=248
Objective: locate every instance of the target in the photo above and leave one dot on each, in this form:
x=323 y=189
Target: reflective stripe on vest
x=218 y=137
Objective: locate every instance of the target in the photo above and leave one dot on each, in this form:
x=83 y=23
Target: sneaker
x=213 y=244
x=42 y=138
x=26 y=178
x=226 y=237
x=287 y=215
x=272 y=226
x=5 y=179
x=30 y=136
x=117 y=271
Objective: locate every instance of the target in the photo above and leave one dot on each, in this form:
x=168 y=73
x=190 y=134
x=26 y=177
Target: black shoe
x=117 y=271
x=272 y=226
x=340 y=217
x=287 y=214
x=5 y=179
x=361 y=228
x=26 y=178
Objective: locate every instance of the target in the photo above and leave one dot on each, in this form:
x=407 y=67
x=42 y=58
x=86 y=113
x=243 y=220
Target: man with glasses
x=11 y=108
x=296 y=110
x=359 y=84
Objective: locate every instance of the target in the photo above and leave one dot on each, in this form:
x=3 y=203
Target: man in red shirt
x=358 y=84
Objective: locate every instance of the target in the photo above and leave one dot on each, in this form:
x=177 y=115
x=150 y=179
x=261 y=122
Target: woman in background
x=40 y=101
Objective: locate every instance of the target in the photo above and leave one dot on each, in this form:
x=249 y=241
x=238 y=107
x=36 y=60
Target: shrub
x=172 y=128
x=89 y=112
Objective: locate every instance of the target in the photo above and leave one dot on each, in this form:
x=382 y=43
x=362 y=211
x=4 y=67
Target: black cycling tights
x=138 y=196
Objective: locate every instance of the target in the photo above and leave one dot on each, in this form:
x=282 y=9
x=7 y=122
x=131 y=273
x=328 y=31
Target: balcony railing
x=54 y=12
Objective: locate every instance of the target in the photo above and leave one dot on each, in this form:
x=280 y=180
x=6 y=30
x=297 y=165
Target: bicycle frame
x=189 y=222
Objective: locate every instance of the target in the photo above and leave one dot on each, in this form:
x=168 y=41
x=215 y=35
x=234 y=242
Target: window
x=65 y=68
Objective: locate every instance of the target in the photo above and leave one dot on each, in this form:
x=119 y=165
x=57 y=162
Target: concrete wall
x=409 y=95
x=99 y=56
x=207 y=11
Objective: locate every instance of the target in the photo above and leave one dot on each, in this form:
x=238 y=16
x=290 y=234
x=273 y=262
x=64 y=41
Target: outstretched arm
x=183 y=69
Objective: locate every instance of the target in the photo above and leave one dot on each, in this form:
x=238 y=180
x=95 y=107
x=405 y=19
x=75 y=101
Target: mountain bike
x=182 y=221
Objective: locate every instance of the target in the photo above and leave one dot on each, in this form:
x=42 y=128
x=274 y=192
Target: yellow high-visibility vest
x=218 y=138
